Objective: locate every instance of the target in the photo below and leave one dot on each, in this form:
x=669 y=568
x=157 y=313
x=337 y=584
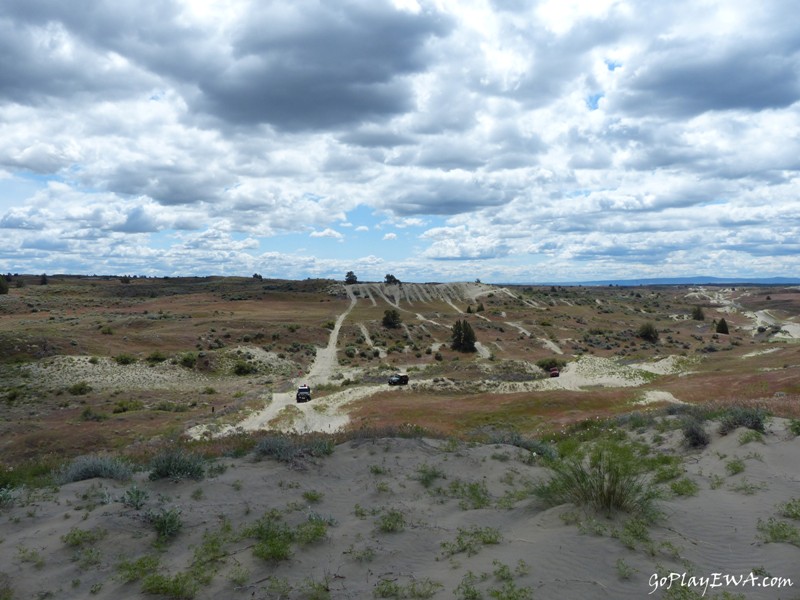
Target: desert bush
x=6 y=589
x=794 y=426
x=775 y=530
x=124 y=359
x=94 y=465
x=274 y=537
x=134 y=497
x=648 y=332
x=134 y=570
x=791 y=509
x=694 y=434
x=609 y=480
x=286 y=449
x=181 y=585
x=156 y=357
x=167 y=522
x=123 y=406
x=188 y=360
x=76 y=537
x=244 y=368
x=79 y=389
x=176 y=464
x=742 y=416
x=722 y=327
x=471 y=540
x=391 y=521
x=89 y=414
x=7 y=496
x=545 y=364
x=427 y=474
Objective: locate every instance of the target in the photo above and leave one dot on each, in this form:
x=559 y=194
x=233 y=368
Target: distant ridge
x=696 y=280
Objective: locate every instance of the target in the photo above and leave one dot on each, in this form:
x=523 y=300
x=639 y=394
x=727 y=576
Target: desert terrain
x=433 y=489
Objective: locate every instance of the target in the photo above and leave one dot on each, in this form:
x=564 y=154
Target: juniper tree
x=722 y=327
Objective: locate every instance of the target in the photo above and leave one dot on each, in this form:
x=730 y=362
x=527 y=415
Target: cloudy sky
x=437 y=140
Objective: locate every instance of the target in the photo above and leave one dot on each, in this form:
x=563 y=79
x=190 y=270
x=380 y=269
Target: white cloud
x=613 y=136
x=327 y=233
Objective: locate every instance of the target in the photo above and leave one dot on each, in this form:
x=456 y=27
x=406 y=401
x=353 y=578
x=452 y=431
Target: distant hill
x=697 y=280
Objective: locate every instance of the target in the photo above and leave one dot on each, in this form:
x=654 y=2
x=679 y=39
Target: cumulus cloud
x=622 y=136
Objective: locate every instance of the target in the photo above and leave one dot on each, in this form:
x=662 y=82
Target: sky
x=435 y=140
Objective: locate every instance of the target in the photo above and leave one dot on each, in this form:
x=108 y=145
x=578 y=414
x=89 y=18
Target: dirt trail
x=549 y=344
x=283 y=412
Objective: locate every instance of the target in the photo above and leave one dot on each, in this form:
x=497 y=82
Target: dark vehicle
x=554 y=372
x=303 y=394
x=398 y=379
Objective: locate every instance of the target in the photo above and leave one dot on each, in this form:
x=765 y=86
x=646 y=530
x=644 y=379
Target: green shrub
x=648 y=332
x=794 y=426
x=124 y=359
x=76 y=537
x=426 y=474
x=7 y=496
x=684 y=487
x=94 y=465
x=156 y=357
x=391 y=521
x=471 y=540
x=89 y=414
x=181 y=585
x=134 y=497
x=176 y=464
x=167 y=522
x=734 y=466
x=694 y=434
x=740 y=416
x=134 y=570
x=79 y=389
x=791 y=509
x=188 y=360
x=610 y=480
x=775 y=530
x=244 y=368
x=545 y=364
x=287 y=449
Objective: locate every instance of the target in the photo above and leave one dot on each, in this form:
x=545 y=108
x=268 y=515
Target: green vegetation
x=722 y=327
x=91 y=466
x=392 y=319
x=176 y=463
x=648 y=332
x=462 y=337
x=471 y=540
x=611 y=479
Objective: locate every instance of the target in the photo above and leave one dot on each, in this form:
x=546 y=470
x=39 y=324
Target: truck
x=303 y=393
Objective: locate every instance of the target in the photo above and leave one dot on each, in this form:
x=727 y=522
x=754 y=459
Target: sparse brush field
x=97 y=363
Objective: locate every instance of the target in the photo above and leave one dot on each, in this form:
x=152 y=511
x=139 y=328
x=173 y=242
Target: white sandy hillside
x=416 y=518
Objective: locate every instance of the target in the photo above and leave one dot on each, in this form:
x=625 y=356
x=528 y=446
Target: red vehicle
x=554 y=372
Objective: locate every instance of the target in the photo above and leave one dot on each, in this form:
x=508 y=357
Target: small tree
x=43 y=279
x=391 y=319
x=648 y=332
x=698 y=314
x=350 y=278
x=391 y=279
x=480 y=308
x=3 y=285
x=463 y=337
x=722 y=327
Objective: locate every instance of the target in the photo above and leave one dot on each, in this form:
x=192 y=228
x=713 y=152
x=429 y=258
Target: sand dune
x=385 y=528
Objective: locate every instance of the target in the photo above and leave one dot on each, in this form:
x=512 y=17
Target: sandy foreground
x=387 y=532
